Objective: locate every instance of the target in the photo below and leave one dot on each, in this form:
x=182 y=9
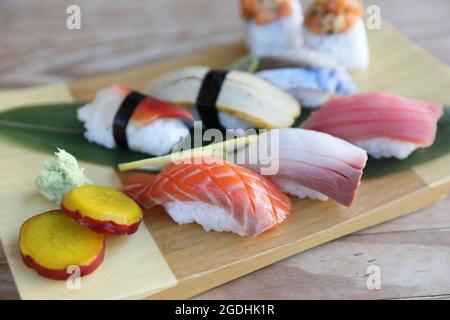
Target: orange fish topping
x=151 y=109
x=266 y=11
x=333 y=16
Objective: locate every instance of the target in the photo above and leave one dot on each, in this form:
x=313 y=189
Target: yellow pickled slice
x=103 y=204
x=54 y=241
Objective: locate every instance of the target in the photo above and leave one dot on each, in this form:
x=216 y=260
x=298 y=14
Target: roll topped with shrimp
x=272 y=25
x=336 y=27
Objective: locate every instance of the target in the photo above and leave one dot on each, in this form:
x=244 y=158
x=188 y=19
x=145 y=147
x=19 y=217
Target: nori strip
x=207 y=99
x=123 y=116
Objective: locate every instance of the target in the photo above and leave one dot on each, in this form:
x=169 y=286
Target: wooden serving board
x=165 y=260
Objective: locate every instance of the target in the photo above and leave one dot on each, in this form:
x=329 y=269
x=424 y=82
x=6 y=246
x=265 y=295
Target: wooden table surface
x=413 y=253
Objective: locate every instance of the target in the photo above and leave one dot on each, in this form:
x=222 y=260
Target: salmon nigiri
x=214 y=193
x=383 y=124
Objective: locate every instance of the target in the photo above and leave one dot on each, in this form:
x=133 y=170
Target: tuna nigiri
x=383 y=124
x=310 y=164
x=121 y=117
x=214 y=193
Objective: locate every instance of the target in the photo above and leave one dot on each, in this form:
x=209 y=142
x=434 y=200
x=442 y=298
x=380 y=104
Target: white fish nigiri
x=311 y=86
x=310 y=164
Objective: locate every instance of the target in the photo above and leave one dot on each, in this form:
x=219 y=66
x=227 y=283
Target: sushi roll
x=311 y=86
x=384 y=124
x=307 y=164
x=216 y=194
x=272 y=24
x=227 y=99
x=336 y=27
x=122 y=118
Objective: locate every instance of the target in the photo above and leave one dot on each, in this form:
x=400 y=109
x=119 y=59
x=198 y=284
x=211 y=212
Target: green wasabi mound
x=60 y=176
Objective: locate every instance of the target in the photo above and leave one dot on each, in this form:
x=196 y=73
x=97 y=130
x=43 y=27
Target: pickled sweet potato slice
x=102 y=209
x=52 y=242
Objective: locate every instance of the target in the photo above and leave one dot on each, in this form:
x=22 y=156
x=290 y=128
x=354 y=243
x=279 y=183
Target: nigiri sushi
x=311 y=86
x=121 y=117
x=384 y=124
x=227 y=99
x=272 y=24
x=309 y=76
x=336 y=27
x=214 y=193
x=307 y=164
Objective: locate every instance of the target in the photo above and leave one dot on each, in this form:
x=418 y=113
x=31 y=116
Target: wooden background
x=35 y=48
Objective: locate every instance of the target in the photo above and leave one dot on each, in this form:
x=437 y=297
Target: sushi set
x=357 y=143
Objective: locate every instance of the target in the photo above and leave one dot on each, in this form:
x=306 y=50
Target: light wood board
x=200 y=261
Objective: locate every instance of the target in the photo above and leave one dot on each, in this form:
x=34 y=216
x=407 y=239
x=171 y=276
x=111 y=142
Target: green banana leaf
x=47 y=127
